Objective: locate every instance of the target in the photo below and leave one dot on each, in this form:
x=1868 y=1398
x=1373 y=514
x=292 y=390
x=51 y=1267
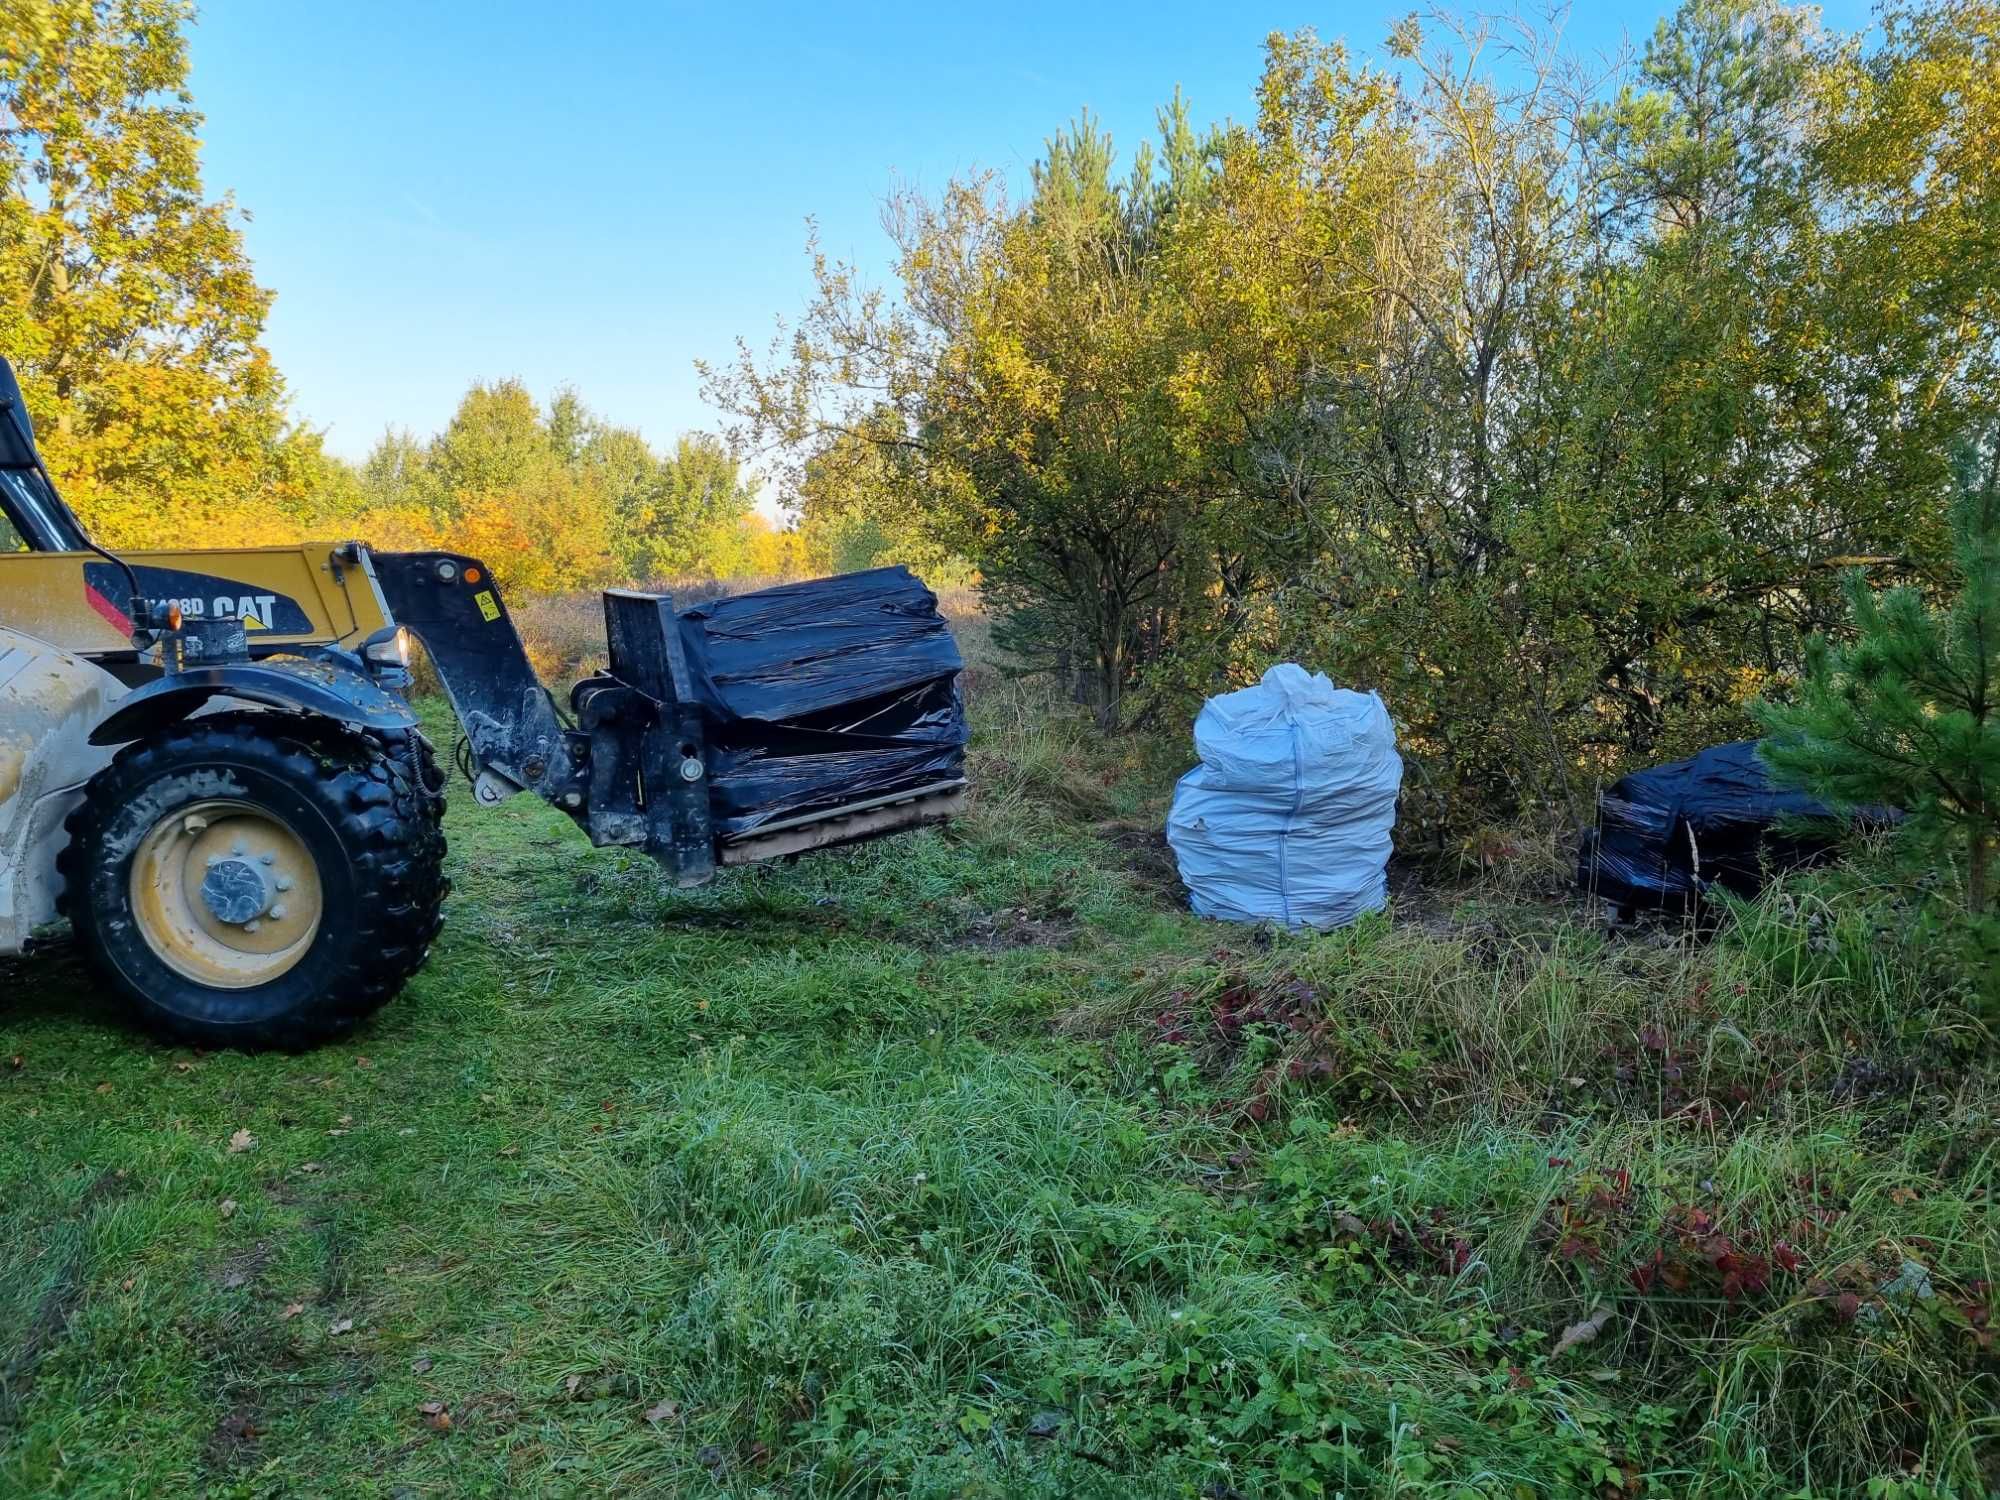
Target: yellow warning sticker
x=488 y=605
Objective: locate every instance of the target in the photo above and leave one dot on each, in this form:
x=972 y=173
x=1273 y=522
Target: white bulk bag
x=1287 y=818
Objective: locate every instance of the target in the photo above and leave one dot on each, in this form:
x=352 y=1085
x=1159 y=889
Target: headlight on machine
x=388 y=648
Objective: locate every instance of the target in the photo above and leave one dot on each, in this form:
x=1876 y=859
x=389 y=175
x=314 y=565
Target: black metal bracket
x=649 y=773
x=451 y=604
x=203 y=643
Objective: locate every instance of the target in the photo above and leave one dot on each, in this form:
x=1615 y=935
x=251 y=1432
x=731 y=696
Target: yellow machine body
x=314 y=594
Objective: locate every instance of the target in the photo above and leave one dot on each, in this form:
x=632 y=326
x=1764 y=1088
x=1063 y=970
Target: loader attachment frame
x=518 y=741
x=630 y=767
x=649 y=773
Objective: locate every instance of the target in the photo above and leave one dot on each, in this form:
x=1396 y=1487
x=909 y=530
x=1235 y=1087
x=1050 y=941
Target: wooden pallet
x=849 y=823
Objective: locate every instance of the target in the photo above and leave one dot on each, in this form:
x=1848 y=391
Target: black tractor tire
x=369 y=809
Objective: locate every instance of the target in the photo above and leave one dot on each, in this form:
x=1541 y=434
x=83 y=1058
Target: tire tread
x=388 y=807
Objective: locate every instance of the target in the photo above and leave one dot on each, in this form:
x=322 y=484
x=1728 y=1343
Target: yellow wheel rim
x=226 y=894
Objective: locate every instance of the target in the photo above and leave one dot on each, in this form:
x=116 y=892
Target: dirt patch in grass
x=1015 y=927
x=1145 y=855
x=244 y=1267
x=231 y=1440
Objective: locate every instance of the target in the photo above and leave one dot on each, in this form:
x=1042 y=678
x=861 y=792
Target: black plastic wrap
x=825 y=693
x=1666 y=836
x=803 y=650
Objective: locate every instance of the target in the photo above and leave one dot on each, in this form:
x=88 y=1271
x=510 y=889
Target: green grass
x=966 y=1164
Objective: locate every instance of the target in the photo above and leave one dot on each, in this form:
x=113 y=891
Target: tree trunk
x=1111 y=677
x=65 y=385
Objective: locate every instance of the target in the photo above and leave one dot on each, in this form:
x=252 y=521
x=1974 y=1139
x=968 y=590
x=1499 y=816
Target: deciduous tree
x=125 y=296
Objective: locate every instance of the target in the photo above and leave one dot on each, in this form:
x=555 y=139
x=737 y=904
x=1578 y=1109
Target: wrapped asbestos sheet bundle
x=1288 y=817
x=1668 y=837
x=824 y=694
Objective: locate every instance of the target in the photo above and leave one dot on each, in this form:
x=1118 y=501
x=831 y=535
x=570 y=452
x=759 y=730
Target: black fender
x=305 y=685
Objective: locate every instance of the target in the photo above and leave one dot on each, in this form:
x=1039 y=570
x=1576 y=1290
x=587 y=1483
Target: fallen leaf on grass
x=235 y=1280
x=666 y=1411
x=293 y=1309
x=310 y=1167
x=510 y=1150
x=1583 y=1332
x=421 y=1365
x=362 y=1062
x=227 y=1207
x=104 y=1088
x=16 y=1061
x=435 y=1415
x=341 y=1325
x=242 y=1140
x=126 y=1284
x=336 y=1132
x=572 y=1383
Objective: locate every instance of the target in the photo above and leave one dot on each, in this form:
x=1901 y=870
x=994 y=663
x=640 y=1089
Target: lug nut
x=284 y=882
x=277 y=912
x=252 y=925
x=266 y=859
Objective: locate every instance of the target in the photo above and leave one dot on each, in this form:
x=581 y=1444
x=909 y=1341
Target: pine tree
x=1908 y=713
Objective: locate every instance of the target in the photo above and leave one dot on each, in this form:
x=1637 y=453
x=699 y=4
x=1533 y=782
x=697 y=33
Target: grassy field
x=967 y=1164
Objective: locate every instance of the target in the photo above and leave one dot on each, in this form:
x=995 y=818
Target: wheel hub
x=226 y=893
x=234 y=892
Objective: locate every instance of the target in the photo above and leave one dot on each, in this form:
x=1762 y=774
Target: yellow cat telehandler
x=209 y=768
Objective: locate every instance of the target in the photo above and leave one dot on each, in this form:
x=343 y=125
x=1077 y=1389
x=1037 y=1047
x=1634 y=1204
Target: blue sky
x=598 y=195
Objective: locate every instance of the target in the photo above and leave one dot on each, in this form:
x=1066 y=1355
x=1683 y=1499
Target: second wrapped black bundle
x=1667 y=837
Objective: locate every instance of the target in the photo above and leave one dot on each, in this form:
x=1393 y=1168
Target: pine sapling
x=1907 y=712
